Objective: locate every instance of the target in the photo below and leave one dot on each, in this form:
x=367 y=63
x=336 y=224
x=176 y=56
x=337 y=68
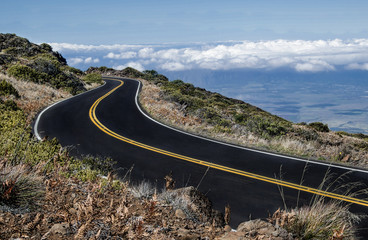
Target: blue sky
x=167 y=21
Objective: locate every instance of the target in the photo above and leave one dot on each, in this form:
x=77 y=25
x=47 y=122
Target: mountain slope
x=24 y=60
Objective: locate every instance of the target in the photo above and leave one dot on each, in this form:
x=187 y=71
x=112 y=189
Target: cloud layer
x=300 y=55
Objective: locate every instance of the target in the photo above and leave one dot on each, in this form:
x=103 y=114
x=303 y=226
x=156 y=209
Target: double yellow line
x=94 y=119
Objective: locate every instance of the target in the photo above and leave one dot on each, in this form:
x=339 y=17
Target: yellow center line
x=94 y=119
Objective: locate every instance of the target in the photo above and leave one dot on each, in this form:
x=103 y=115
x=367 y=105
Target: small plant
x=178 y=200
x=169 y=182
x=321 y=220
x=143 y=190
x=19 y=187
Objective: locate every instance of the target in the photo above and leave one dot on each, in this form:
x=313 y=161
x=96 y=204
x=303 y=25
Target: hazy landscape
x=184 y=120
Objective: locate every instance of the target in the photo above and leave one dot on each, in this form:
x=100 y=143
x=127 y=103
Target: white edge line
x=35 y=128
x=239 y=147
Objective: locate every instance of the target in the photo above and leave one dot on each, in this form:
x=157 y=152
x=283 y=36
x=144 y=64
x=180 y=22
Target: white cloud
x=314 y=66
x=300 y=55
x=79 y=60
x=135 y=65
x=357 y=66
x=173 y=66
x=146 y=52
x=75 y=61
x=85 y=48
x=122 y=55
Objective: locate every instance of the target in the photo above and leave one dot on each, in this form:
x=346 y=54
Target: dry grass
x=321 y=220
x=35 y=97
x=169 y=112
x=100 y=211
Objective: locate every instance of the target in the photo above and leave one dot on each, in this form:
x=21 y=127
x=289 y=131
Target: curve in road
x=94 y=119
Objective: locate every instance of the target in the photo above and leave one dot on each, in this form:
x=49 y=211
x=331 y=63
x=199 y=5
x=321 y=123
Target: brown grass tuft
x=322 y=220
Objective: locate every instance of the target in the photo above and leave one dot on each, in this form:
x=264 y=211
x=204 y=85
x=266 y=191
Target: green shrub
x=26 y=73
x=93 y=78
x=47 y=72
x=89 y=168
x=265 y=127
x=46 y=56
x=19 y=146
x=104 y=69
x=131 y=72
x=307 y=134
x=153 y=75
x=46 y=47
x=12 y=51
x=102 y=164
x=100 y=70
x=356 y=135
x=48 y=66
x=7 y=89
x=318 y=126
x=240 y=118
x=361 y=146
x=8 y=105
x=72 y=70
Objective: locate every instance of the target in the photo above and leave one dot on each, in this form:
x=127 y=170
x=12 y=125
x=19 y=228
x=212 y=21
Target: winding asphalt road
x=108 y=122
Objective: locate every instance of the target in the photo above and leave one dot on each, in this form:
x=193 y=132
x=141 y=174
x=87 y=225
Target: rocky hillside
x=24 y=60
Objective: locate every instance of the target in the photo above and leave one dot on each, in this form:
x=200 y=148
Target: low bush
x=45 y=72
x=23 y=72
x=263 y=126
x=357 y=135
x=8 y=105
x=131 y=72
x=153 y=75
x=306 y=134
x=76 y=71
x=318 y=126
x=93 y=78
x=7 y=89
